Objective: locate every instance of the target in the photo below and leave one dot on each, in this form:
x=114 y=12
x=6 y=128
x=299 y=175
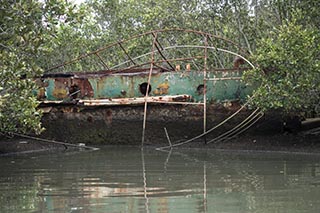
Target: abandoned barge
x=185 y=88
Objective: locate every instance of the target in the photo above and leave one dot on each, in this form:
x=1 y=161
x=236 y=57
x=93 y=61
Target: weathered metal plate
x=221 y=86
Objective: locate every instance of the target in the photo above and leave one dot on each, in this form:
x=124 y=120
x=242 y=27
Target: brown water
x=126 y=179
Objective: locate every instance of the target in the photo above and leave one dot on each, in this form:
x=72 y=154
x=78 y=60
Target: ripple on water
x=126 y=180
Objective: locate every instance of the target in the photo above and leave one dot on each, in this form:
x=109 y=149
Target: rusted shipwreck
x=183 y=80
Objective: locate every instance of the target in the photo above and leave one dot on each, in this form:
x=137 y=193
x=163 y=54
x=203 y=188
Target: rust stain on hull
x=162 y=89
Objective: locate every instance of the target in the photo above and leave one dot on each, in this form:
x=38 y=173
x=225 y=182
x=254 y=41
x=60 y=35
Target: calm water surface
x=126 y=179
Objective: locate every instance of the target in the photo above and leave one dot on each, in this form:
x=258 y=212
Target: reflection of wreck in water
x=191 y=180
x=178 y=76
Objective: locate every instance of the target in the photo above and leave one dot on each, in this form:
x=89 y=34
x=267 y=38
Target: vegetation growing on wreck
x=288 y=75
x=36 y=35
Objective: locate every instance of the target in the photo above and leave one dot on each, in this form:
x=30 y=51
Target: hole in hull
x=143 y=88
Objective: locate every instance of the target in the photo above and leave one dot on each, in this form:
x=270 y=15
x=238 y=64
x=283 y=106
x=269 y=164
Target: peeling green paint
x=126 y=85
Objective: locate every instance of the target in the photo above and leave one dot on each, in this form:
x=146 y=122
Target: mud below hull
x=123 y=125
x=248 y=143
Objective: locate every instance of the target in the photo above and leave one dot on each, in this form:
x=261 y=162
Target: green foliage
x=36 y=35
x=104 y=22
x=20 y=40
x=109 y=21
x=288 y=76
x=25 y=28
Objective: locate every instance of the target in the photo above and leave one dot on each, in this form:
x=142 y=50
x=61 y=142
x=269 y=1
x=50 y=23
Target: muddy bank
x=16 y=145
x=279 y=142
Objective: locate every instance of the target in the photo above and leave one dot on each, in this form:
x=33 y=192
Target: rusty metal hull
x=126 y=87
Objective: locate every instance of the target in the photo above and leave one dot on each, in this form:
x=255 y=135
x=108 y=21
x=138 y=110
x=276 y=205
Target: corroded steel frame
x=158 y=46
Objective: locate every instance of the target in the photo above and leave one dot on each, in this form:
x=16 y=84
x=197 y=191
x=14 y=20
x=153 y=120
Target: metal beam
x=125 y=52
x=104 y=64
x=156 y=45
